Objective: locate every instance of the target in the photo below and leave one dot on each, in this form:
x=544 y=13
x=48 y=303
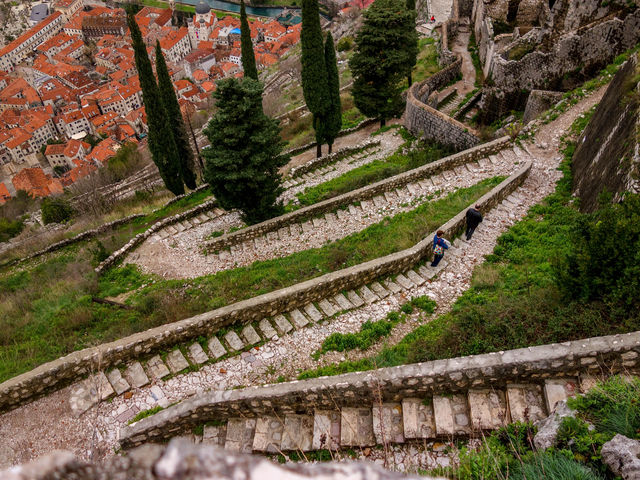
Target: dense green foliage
x=333 y=117
x=126 y=159
x=10 y=228
x=176 y=122
x=161 y=142
x=314 y=70
x=246 y=151
x=55 y=210
x=410 y=40
x=248 y=56
x=373 y=172
x=382 y=58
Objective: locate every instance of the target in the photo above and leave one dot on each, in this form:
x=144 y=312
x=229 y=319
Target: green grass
x=145 y=413
x=46 y=309
x=372 y=172
x=427 y=62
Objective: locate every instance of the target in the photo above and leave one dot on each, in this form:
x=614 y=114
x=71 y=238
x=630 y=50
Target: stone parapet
x=614 y=353
x=364 y=193
x=60 y=372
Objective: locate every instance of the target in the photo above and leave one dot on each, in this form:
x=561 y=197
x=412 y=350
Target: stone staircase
x=184 y=358
x=358 y=215
x=446 y=415
x=187 y=224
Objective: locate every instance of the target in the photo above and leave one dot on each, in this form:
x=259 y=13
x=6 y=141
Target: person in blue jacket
x=439 y=246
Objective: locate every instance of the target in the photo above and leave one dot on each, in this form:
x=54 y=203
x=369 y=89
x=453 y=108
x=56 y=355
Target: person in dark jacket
x=474 y=217
x=439 y=246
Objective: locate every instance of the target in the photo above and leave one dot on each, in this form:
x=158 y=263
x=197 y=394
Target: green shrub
x=370 y=332
x=551 y=466
x=424 y=303
x=10 y=228
x=56 y=210
x=345 y=43
x=98 y=252
x=145 y=413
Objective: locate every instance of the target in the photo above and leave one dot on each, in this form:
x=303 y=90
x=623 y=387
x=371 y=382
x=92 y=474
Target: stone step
x=134 y=374
x=418 y=420
x=295 y=229
x=250 y=335
x=119 y=384
x=404 y=282
x=387 y=423
x=233 y=340
x=214 y=435
x=156 y=368
x=298 y=318
x=525 y=402
x=282 y=324
x=353 y=210
x=355 y=299
x=379 y=290
x=176 y=361
x=390 y=196
x=488 y=409
x=366 y=204
x=326 y=430
x=356 y=427
x=379 y=201
x=392 y=286
x=318 y=222
x=327 y=307
x=342 y=214
x=451 y=415
x=240 y=433
x=307 y=227
x=298 y=433
x=284 y=233
x=342 y=302
x=427 y=272
x=216 y=349
x=267 y=329
x=367 y=295
x=558 y=389
x=414 y=277
x=312 y=312
x=268 y=436
x=330 y=217
x=196 y=354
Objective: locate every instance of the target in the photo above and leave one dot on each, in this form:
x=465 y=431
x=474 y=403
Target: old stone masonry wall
x=613 y=353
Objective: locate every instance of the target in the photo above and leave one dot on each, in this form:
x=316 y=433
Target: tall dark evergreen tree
x=246 y=151
x=333 y=118
x=380 y=61
x=176 y=122
x=248 y=57
x=410 y=39
x=161 y=143
x=314 y=70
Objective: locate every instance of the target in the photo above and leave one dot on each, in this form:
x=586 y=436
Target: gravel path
x=48 y=424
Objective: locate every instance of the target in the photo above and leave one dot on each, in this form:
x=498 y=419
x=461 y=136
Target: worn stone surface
x=548 y=427
x=313 y=313
x=156 y=367
x=526 y=403
x=418 y=418
x=215 y=347
x=387 y=423
x=622 y=455
x=488 y=409
x=267 y=329
x=268 y=436
x=196 y=354
x=298 y=433
x=298 y=318
x=233 y=340
x=326 y=430
x=282 y=324
x=356 y=427
x=135 y=375
x=558 y=390
x=240 y=432
x=119 y=384
x=182 y=459
x=250 y=335
x=214 y=435
x=176 y=361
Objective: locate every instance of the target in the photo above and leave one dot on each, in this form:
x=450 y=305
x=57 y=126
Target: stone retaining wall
x=329 y=158
x=428 y=123
x=360 y=194
x=141 y=237
x=612 y=353
x=60 y=372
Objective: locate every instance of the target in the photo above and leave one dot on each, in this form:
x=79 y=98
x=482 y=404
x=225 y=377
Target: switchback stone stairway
x=443 y=416
x=325 y=227
x=184 y=358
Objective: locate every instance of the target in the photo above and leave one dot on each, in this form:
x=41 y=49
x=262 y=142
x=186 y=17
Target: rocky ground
x=48 y=424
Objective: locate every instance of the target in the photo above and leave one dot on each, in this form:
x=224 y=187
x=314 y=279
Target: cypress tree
x=174 y=116
x=410 y=39
x=333 y=122
x=314 y=70
x=248 y=57
x=411 y=4
x=246 y=151
x=380 y=61
x=161 y=143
